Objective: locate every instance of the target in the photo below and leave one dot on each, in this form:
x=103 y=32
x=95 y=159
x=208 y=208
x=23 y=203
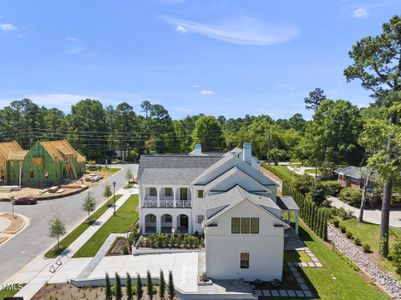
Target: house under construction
x=46 y=163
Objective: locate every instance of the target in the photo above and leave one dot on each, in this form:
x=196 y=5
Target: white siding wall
x=266 y=249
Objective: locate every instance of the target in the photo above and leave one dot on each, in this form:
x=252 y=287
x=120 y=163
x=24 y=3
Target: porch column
x=296 y=221
x=174 y=223
x=190 y=224
x=175 y=197
x=158 y=224
x=159 y=190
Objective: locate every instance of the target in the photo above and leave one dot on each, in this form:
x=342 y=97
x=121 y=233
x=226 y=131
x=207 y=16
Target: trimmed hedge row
x=316 y=218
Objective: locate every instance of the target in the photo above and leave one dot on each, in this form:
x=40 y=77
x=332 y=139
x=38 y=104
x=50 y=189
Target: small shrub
x=336 y=222
x=333 y=188
x=396 y=257
x=343 y=229
x=203 y=277
x=351 y=196
x=349 y=235
x=125 y=250
x=357 y=241
x=366 y=248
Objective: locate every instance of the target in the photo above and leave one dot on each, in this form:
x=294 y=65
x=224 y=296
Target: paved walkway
x=369 y=215
x=38 y=272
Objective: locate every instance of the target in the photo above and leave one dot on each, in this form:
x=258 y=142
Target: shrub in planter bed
x=349 y=235
x=357 y=241
x=336 y=222
x=366 y=248
x=343 y=229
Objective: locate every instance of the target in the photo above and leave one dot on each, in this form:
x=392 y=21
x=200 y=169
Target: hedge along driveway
x=338 y=278
x=73 y=235
x=125 y=218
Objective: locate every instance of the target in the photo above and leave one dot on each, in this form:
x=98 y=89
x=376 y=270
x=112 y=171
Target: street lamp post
x=12 y=205
x=114 y=197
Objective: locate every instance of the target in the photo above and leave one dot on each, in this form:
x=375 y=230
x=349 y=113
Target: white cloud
x=7 y=27
x=195 y=86
x=243 y=31
x=181 y=29
x=360 y=13
x=207 y=92
x=71 y=39
x=75 y=50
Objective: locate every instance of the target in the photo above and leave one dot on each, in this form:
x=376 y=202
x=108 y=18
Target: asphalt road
x=31 y=242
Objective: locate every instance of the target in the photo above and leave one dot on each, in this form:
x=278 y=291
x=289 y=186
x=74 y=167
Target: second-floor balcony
x=167 y=204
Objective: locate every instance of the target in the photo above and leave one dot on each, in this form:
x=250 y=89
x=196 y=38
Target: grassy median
x=123 y=221
x=73 y=235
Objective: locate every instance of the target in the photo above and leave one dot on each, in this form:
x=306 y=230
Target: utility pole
x=114 y=197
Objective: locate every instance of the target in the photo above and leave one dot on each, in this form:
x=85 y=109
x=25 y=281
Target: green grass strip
x=73 y=235
x=123 y=221
x=339 y=278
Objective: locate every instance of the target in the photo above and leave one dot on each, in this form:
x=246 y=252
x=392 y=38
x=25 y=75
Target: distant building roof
x=8 y=147
x=58 y=149
x=173 y=168
x=354 y=172
x=17 y=155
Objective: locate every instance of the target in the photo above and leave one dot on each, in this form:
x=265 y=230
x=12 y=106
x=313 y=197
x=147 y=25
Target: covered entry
x=288 y=204
x=182 y=223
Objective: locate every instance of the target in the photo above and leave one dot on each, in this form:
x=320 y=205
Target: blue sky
x=218 y=57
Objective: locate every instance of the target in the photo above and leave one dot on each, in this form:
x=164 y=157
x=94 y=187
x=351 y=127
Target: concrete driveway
x=34 y=240
x=369 y=215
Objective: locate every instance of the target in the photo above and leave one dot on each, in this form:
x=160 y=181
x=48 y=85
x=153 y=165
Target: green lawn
x=296 y=256
x=8 y=292
x=370 y=234
x=73 y=235
x=282 y=171
x=110 y=170
x=123 y=221
x=339 y=279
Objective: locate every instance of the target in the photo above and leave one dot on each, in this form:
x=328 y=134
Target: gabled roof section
x=17 y=155
x=60 y=149
x=233 y=197
x=230 y=173
x=8 y=147
x=287 y=203
x=173 y=168
x=228 y=162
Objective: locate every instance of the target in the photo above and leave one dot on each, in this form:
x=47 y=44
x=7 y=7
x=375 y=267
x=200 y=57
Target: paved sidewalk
x=369 y=215
x=37 y=273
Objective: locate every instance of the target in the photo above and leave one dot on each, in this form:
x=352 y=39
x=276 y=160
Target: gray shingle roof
x=355 y=172
x=287 y=203
x=235 y=195
x=173 y=168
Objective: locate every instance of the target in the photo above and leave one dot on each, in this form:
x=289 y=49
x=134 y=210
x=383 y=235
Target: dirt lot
x=42 y=193
x=68 y=291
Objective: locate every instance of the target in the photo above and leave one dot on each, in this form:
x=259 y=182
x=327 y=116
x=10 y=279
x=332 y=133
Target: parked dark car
x=25 y=200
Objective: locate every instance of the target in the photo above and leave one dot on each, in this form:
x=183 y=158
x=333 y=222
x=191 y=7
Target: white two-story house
x=224 y=196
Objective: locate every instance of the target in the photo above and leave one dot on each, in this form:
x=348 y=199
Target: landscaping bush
x=349 y=235
x=351 y=196
x=304 y=183
x=343 y=229
x=396 y=257
x=357 y=241
x=162 y=240
x=340 y=212
x=336 y=222
x=366 y=248
x=332 y=187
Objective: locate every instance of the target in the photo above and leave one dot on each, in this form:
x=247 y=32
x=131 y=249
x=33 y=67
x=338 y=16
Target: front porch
x=171 y=221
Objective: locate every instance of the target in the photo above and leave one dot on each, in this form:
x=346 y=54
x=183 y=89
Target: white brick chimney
x=247 y=153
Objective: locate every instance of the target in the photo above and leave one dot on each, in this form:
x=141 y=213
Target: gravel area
x=346 y=246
